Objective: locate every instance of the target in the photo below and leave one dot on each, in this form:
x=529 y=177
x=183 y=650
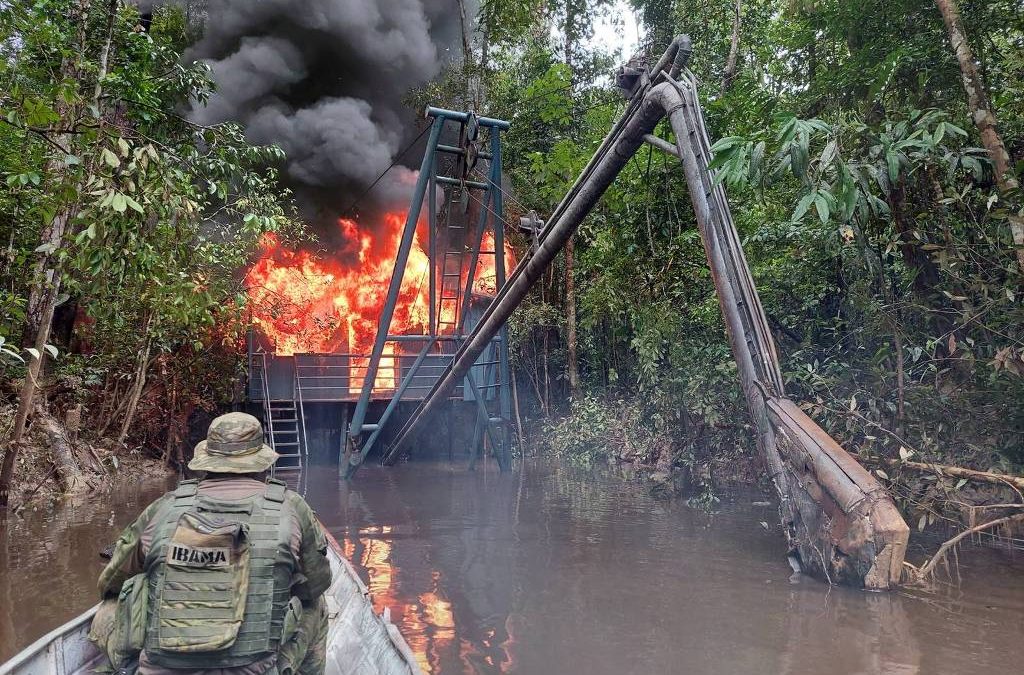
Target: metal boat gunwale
x=78 y=627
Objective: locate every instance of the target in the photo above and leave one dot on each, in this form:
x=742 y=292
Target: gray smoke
x=325 y=80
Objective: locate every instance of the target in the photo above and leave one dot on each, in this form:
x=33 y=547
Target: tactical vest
x=219 y=574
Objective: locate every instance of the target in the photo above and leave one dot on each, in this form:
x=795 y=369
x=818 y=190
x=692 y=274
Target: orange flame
x=306 y=303
x=485 y=281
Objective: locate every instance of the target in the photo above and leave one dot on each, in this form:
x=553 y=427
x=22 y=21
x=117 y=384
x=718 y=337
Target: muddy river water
x=557 y=570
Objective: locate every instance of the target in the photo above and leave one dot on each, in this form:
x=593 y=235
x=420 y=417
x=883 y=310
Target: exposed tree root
x=926 y=570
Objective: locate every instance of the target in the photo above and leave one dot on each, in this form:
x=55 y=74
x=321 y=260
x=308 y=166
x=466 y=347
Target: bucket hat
x=234 y=444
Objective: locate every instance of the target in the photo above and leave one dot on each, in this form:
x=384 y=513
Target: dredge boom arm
x=839 y=520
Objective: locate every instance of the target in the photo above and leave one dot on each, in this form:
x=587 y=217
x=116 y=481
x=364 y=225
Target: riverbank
x=66 y=458
x=695 y=461
x=699 y=460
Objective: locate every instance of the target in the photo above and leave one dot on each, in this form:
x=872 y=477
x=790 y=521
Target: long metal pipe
x=711 y=231
x=504 y=375
x=620 y=145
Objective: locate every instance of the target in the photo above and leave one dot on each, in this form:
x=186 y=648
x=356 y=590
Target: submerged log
x=68 y=473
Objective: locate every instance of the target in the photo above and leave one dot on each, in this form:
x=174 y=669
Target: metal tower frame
x=450 y=297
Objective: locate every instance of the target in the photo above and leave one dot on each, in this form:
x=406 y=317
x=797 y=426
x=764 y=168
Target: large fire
x=304 y=303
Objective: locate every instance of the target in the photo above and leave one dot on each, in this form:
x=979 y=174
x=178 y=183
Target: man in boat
x=225 y=574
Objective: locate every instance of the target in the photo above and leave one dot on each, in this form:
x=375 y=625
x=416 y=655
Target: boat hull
x=359 y=642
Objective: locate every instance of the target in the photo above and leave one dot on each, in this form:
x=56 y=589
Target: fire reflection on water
x=427 y=624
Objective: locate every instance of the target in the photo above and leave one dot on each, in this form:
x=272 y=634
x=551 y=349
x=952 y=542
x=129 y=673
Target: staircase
x=283 y=423
x=286 y=434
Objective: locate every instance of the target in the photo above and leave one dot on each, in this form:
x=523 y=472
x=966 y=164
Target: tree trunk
x=172 y=421
x=467 y=54
x=26 y=397
x=45 y=288
x=926 y=272
x=52 y=236
x=572 y=342
x=981 y=112
x=546 y=399
x=734 y=49
x=137 y=386
x=68 y=473
x=900 y=379
x=519 y=418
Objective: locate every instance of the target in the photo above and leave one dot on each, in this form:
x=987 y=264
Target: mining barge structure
x=839 y=521
x=344 y=399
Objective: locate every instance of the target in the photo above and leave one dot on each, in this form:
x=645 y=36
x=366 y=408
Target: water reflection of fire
x=304 y=303
x=429 y=624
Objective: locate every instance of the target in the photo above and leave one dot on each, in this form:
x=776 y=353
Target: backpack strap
x=274 y=495
x=186 y=489
x=167 y=518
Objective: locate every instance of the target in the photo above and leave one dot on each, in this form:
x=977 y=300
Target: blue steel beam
x=426 y=170
x=484 y=418
x=504 y=374
x=356 y=458
x=464 y=117
x=432 y=246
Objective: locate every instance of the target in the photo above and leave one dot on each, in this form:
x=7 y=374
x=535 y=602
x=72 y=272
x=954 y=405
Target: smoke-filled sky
x=324 y=80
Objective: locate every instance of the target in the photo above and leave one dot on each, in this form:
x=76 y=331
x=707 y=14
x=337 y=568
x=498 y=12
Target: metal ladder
x=287 y=425
x=284 y=425
x=284 y=430
x=449 y=300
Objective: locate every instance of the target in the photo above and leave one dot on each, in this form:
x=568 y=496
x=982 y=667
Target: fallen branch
x=68 y=473
x=1015 y=482
x=929 y=567
x=99 y=462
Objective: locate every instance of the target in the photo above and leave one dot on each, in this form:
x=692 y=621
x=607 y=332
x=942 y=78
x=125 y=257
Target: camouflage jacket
x=308 y=544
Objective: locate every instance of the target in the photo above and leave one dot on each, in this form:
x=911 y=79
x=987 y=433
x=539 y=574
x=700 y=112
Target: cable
x=376 y=180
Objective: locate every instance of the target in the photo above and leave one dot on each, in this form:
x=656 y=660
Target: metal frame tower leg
x=447 y=322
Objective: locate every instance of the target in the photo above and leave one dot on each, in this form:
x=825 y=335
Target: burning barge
x=840 y=523
x=341 y=338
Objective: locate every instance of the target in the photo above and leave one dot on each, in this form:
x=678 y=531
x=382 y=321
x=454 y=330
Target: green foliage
x=869 y=215
x=158 y=213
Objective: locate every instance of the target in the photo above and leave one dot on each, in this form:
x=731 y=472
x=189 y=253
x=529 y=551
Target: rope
x=376 y=180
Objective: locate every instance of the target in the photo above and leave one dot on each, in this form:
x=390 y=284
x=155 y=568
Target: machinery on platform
x=839 y=520
x=457 y=208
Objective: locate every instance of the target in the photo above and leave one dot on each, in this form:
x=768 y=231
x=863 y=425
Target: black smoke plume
x=325 y=80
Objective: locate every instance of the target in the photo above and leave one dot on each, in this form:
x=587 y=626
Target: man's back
x=228 y=571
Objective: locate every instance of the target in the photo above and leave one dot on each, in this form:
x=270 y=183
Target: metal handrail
x=302 y=420
x=265 y=395
x=268 y=429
